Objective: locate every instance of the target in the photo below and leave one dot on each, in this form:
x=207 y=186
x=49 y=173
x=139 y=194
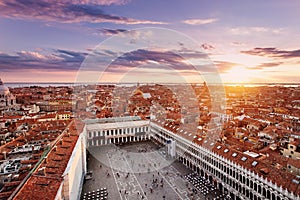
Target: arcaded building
x=243 y=175
x=116 y=130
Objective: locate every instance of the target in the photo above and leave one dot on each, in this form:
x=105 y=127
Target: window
x=244 y=158
x=254 y=163
x=234 y=154
x=295 y=181
x=226 y=150
x=219 y=147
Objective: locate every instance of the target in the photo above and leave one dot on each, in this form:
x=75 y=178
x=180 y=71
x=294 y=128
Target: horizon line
x=244 y=83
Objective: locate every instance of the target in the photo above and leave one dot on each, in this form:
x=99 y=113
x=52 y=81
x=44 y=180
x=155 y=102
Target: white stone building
x=7 y=100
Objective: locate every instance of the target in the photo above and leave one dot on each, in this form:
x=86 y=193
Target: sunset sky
x=248 y=41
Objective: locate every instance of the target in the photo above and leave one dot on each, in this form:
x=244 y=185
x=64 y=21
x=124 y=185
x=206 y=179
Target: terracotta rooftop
x=32 y=137
x=45 y=186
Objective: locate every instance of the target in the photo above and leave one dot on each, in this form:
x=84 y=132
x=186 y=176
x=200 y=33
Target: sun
x=238 y=74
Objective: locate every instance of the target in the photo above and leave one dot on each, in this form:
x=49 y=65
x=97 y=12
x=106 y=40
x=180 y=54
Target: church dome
x=137 y=92
x=3 y=89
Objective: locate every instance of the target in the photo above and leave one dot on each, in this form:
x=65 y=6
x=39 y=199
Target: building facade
x=117 y=131
x=7 y=100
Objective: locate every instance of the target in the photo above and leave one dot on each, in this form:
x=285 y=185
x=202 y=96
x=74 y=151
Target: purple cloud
x=66 y=60
x=60 y=60
x=160 y=59
x=207 y=47
x=107 y=31
x=273 y=52
x=176 y=60
x=267 y=65
x=67 y=12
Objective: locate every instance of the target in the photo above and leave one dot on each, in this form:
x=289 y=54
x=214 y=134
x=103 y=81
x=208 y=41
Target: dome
x=137 y=92
x=3 y=89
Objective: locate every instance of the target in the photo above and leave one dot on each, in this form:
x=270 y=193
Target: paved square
x=138 y=171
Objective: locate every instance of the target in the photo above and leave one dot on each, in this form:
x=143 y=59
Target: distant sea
x=16 y=85
x=20 y=84
x=263 y=84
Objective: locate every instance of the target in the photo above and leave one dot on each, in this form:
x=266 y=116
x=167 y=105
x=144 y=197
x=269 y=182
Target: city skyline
x=46 y=41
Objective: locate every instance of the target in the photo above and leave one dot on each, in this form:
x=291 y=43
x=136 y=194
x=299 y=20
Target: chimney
x=32 y=148
x=42 y=171
x=46 y=159
x=16 y=177
x=55 y=148
x=4 y=155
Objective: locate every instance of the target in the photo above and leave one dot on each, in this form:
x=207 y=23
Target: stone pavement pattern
x=129 y=172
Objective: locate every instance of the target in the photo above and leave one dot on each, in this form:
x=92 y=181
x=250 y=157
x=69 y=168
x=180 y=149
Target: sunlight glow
x=238 y=74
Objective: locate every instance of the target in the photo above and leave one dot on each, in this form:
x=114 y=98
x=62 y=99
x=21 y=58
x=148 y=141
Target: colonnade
x=231 y=178
x=117 y=136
